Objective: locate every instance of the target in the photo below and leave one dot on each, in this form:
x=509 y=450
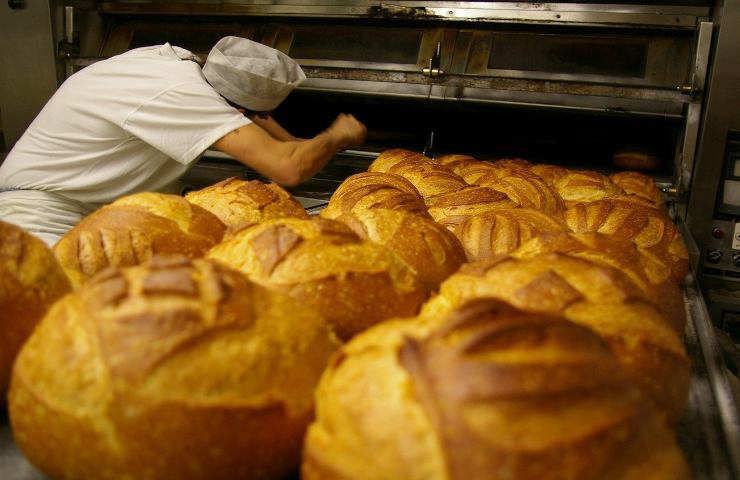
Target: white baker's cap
x=251 y=75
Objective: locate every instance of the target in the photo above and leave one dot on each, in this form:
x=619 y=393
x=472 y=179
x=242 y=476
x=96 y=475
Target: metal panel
x=27 y=69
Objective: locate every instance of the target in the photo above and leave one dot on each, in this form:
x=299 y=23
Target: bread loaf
x=487 y=393
x=132 y=229
x=451 y=209
x=651 y=230
x=372 y=190
x=472 y=173
x=549 y=173
x=635 y=159
x=635 y=183
x=455 y=161
x=238 y=202
x=584 y=186
x=31 y=281
x=389 y=158
x=428 y=248
x=527 y=190
x=501 y=231
x=601 y=298
x=325 y=266
x=650 y=276
x=173 y=369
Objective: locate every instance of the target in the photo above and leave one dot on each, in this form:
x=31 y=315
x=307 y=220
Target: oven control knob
x=16 y=4
x=714 y=256
x=736 y=259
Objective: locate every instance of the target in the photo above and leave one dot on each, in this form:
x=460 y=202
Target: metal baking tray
x=708 y=433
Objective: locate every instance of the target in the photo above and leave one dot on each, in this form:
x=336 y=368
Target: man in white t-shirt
x=138 y=121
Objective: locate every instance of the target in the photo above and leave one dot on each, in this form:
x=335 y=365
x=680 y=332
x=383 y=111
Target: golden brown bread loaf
x=31 y=281
x=635 y=159
x=599 y=297
x=584 y=186
x=452 y=208
x=650 y=228
x=501 y=231
x=527 y=190
x=428 y=248
x=132 y=229
x=635 y=183
x=175 y=369
x=456 y=161
x=239 y=202
x=371 y=190
x=487 y=393
x=473 y=172
x=650 y=276
x=325 y=266
x=389 y=158
x=429 y=177
x=549 y=173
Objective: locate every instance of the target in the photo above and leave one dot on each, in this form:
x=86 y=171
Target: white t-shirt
x=135 y=122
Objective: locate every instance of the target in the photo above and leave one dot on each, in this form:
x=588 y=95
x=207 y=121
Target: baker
x=138 y=121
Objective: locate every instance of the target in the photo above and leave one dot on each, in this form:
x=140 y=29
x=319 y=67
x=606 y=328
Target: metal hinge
x=434 y=70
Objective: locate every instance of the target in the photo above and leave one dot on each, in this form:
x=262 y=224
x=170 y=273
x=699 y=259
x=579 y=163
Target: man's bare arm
x=290 y=162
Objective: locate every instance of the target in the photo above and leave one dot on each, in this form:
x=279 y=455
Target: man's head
x=251 y=75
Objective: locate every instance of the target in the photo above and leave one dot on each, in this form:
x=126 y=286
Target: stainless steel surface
x=27 y=70
x=500 y=12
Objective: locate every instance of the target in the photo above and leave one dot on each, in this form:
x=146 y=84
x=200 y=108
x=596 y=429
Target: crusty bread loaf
x=650 y=228
x=650 y=276
x=487 y=393
x=472 y=173
x=325 y=266
x=599 y=297
x=527 y=190
x=175 y=369
x=239 y=202
x=451 y=209
x=132 y=229
x=501 y=231
x=428 y=248
x=31 y=281
x=371 y=190
x=635 y=159
x=456 y=161
x=584 y=186
x=635 y=183
x=429 y=177
x=549 y=173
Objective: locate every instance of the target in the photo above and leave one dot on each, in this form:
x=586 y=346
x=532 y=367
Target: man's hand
x=347 y=131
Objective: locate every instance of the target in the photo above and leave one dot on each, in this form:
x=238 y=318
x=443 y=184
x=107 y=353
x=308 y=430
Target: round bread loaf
x=650 y=276
x=389 y=158
x=31 y=281
x=238 y=203
x=501 y=231
x=585 y=186
x=456 y=161
x=549 y=173
x=631 y=159
x=430 y=179
x=599 y=297
x=527 y=190
x=372 y=190
x=325 y=266
x=650 y=228
x=428 y=248
x=489 y=393
x=131 y=230
x=174 y=369
x=451 y=209
x=635 y=183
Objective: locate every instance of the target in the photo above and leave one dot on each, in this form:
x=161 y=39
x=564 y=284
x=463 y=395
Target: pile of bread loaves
x=440 y=319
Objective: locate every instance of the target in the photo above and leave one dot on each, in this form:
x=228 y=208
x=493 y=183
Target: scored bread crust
x=131 y=230
x=174 y=369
